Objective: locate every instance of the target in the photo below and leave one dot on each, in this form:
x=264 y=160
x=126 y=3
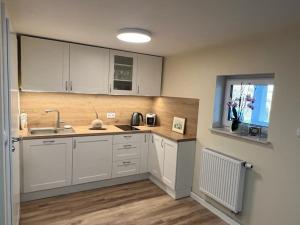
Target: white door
x=14 y=125
x=156 y=156
x=92 y=159
x=149 y=75
x=123 y=73
x=5 y=146
x=44 y=65
x=170 y=163
x=47 y=163
x=89 y=67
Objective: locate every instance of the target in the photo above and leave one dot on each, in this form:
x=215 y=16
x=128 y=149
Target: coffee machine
x=150 y=119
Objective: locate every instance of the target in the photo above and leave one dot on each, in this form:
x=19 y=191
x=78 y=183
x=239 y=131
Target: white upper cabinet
x=44 y=65
x=89 y=67
x=149 y=75
x=123 y=73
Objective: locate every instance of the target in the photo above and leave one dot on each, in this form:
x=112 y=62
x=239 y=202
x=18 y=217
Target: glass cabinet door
x=123 y=69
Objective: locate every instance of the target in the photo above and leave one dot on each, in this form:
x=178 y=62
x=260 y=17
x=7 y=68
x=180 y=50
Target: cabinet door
x=156 y=156
x=44 y=65
x=47 y=163
x=144 y=153
x=170 y=163
x=149 y=75
x=123 y=70
x=92 y=159
x=89 y=68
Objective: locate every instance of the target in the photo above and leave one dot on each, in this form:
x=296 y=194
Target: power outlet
x=110 y=115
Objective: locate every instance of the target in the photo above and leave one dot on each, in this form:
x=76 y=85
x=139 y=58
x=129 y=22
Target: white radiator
x=222 y=179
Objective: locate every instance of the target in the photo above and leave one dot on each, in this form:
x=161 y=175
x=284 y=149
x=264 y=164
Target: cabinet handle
x=127 y=136
x=110 y=88
x=49 y=142
x=71 y=86
x=126 y=162
x=138 y=89
x=161 y=143
x=74 y=144
x=66 y=85
x=152 y=138
x=127 y=146
x=145 y=138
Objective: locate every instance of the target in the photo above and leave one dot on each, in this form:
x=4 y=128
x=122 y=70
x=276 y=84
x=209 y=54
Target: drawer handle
x=126 y=162
x=49 y=142
x=127 y=146
x=127 y=136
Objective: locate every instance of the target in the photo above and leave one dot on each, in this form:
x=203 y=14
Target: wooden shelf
x=225 y=131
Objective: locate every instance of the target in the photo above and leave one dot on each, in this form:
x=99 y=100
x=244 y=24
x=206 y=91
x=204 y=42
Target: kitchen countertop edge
x=164 y=133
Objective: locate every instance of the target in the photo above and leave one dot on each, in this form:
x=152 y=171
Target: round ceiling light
x=134 y=35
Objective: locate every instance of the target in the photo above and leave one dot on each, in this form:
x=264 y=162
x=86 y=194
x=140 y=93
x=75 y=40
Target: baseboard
x=176 y=194
x=81 y=187
x=213 y=209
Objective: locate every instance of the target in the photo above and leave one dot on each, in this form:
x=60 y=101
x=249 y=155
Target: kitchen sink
x=50 y=130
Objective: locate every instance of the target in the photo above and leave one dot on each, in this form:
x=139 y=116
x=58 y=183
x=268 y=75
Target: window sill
x=225 y=131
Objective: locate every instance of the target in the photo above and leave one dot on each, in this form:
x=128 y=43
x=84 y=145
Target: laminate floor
x=139 y=203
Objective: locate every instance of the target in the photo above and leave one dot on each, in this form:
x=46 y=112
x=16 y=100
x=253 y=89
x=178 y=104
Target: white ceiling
x=177 y=25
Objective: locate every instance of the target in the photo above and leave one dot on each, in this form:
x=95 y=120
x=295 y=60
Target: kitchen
x=149 y=112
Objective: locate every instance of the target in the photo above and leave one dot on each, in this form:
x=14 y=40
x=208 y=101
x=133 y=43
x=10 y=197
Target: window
x=251 y=98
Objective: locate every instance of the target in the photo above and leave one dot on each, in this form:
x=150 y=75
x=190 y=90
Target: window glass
x=255 y=111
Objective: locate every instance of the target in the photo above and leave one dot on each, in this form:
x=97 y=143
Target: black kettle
x=135 y=118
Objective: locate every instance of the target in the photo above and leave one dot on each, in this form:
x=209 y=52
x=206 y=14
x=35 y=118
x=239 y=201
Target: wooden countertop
x=111 y=130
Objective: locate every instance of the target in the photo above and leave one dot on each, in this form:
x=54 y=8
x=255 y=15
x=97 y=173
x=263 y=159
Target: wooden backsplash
x=79 y=109
x=168 y=107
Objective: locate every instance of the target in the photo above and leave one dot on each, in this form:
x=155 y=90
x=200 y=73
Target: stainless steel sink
x=50 y=130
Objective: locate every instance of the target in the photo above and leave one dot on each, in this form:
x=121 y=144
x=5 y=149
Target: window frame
x=234 y=81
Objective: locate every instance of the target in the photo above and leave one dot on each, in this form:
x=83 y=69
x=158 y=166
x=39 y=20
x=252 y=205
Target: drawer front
x=126 y=151
x=125 y=168
x=127 y=138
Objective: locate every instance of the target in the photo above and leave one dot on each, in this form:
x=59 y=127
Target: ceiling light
x=134 y=35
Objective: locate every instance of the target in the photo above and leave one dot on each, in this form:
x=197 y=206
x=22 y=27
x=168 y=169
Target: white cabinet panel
x=123 y=73
x=170 y=162
x=126 y=151
x=47 y=163
x=89 y=67
x=156 y=156
x=125 y=168
x=44 y=65
x=149 y=75
x=92 y=159
x=144 y=148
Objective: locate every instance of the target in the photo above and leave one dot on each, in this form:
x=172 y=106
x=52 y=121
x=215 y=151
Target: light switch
x=111 y=115
x=298 y=132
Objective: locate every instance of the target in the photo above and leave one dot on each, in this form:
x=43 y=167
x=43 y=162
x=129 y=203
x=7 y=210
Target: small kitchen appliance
x=135 y=118
x=150 y=119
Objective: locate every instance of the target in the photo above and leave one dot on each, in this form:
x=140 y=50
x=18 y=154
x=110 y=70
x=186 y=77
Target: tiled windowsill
x=225 y=131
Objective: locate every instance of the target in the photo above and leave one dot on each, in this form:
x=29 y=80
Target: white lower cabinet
x=59 y=162
x=172 y=164
x=47 y=163
x=92 y=158
x=156 y=156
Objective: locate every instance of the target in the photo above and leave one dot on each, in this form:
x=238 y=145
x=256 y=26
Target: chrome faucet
x=58 y=122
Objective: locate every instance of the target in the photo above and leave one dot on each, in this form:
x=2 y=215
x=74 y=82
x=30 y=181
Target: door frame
x=5 y=144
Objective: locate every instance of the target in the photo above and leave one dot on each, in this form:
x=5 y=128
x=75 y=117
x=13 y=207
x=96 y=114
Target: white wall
x=273 y=187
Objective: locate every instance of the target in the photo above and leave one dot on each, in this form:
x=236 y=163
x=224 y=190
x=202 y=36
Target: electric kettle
x=135 y=118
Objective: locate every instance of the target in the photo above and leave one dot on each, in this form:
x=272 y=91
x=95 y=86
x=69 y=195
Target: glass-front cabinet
x=123 y=73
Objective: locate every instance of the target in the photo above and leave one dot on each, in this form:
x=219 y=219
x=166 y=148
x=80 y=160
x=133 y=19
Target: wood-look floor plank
x=139 y=203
